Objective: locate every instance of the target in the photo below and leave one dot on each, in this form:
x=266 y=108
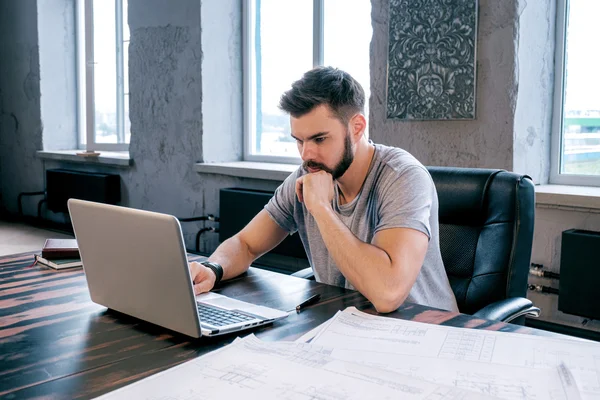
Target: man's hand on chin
x=315 y=190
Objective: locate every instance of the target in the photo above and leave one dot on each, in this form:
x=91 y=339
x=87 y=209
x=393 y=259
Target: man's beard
x=341 y=167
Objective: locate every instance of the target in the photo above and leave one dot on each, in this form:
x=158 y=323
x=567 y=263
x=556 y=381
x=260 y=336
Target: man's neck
x=354 y=177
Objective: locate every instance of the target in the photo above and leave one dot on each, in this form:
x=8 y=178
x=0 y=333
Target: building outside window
x=103 y=88
x=576 y=124
x=282 y=40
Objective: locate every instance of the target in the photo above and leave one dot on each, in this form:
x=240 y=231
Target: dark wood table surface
x=56 y=344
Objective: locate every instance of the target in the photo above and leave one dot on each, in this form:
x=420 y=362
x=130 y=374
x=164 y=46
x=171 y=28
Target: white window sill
x=248 y=169
x=576 y=198
x=111 y=158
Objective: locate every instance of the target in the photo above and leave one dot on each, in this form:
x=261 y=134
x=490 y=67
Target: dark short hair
x=324 y=85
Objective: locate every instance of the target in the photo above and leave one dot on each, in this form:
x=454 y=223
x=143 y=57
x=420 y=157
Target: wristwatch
x=216 y=268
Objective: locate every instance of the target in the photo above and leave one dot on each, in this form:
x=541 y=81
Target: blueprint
x=310 y=335
x=249 y=369
x=506 y=365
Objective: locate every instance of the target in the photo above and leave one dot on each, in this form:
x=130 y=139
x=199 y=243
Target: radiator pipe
x=20 y=197
x=42 y=201
x=544 y=274
x=208 y=217
x=200 y=232
x=538 y=270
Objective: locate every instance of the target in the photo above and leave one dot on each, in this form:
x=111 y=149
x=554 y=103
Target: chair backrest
x=486 y=233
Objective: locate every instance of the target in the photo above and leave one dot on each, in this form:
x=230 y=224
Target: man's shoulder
x=400 y=175
x=397 y=160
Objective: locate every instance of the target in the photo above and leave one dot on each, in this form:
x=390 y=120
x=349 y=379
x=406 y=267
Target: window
x=282 y=40
x=576 y=124
x=103 y=89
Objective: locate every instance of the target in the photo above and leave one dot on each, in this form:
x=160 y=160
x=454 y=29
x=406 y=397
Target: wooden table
x=55 y=343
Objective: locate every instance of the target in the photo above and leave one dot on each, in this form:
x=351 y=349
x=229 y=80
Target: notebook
x=55 y=249
x=135 y=262
x=63 y=263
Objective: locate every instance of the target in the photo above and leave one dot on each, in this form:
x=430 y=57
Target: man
x=367 y=214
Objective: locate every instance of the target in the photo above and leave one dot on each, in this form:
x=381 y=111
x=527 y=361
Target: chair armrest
x=508 y=309
x=306 y=273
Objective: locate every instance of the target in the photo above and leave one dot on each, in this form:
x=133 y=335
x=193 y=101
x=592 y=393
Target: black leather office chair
x=486 y=234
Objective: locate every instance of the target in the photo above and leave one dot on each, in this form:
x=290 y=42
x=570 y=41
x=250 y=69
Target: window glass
x=283 y=52
x=580 y=141
x=105 y=72
x=347 y=37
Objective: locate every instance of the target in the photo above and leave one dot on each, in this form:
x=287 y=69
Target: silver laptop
x=135 y=262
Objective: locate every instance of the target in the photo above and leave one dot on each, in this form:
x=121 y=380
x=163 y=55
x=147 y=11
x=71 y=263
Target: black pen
x=308 y=302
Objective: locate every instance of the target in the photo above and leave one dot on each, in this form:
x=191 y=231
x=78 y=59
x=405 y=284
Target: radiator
x=63 y=184
x=579 y=273
x=238 y=206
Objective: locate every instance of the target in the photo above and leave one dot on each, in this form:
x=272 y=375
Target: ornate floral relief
x=431 y=60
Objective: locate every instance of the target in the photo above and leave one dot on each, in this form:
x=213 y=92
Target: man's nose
x=307 y=151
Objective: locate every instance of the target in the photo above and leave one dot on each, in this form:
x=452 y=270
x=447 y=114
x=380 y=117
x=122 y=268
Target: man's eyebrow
x=312 y=137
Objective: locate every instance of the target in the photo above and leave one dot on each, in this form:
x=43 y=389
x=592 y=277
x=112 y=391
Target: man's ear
x=358 y=125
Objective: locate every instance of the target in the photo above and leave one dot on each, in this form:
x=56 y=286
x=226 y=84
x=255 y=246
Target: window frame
x=84 y=18
x=249 y=74
x=556 y=177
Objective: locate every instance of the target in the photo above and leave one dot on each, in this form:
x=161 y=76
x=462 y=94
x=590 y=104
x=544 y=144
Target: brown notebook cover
x=55 y=249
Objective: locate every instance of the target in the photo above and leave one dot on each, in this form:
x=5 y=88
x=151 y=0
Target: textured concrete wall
x=533 y=116
x=165 y=80
x=515 y=72
x=58 y=74
x=20 y=119
x=184 y=110
x=222 y=64
x=483 y=142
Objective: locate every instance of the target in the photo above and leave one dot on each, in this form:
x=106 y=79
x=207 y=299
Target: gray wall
x=483 y=142
x=174 y=85
x=20 y=118
x=515 y=50
x=222 y=84
x=535 y=68
x=165 y=83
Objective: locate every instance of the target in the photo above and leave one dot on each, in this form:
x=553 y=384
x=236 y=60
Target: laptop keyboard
x=219 y=316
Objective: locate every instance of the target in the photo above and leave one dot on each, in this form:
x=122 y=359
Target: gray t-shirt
x=397 y=193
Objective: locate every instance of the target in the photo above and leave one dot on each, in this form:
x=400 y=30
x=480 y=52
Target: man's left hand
x=203 y=277
x=315 y=190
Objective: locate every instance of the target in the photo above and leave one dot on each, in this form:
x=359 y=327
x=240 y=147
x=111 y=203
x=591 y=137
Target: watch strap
x=216 y=268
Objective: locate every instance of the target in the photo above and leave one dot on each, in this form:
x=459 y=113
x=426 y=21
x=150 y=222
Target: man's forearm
x=234 y=257
x=367 y=267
